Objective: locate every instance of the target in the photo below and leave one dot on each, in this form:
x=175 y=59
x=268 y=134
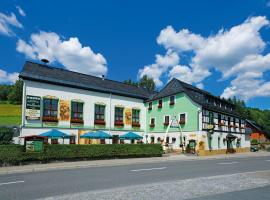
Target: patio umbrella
x=130 y=136
x=55 y=134
x=96 y=135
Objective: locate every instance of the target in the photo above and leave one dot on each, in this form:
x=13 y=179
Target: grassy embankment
x=10 y=114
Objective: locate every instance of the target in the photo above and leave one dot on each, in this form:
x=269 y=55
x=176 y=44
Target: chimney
x=44 y=60
x=103 y=77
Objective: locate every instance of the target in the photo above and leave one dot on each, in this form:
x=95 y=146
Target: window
x=135 y=117
x=166 y=120
x=172 y=100
x=167 y=140
x=118 y=116
x=173 y=140
x=50 y=109
x=150 y=106
x=160 y=103
x=219 y=142
x=211 y=117
x=152 y=122
x=152 y=140
x=182 y=118
x=72 y=139
x=76 y=111
x=99 y=114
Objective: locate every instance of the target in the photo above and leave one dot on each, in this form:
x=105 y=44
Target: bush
x=14 y=154
x=254 y=141
x=6 y=135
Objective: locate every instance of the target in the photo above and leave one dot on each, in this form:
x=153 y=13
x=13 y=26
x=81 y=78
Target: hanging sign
x=174 y=123
x=32 y=111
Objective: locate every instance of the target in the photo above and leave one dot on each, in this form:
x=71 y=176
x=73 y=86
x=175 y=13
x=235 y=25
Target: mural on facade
x=32 y=111
x=128 y=116
x=64 y=110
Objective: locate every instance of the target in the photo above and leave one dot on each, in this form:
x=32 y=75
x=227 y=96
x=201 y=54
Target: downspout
x=23 y=105
x=110 y=103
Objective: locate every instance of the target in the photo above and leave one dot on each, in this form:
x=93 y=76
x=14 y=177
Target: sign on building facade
x=32 y=111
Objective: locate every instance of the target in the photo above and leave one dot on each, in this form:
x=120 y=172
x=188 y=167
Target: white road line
x=227 y=163
x=149 y=169
x=8 y=183
x=267 y=160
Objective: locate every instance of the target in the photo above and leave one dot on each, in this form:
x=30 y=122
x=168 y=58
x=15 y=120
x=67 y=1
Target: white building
x=76 y=103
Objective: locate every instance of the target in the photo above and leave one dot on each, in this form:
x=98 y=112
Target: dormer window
x=150 y=106
x=172 y=100
x=160 y=103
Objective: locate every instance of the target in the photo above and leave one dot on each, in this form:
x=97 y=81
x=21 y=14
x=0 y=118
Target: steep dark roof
x=44 y=73
x=197 y=95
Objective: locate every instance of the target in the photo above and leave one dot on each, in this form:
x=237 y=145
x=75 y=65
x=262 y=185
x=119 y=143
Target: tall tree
x=147 y=83
x=15 y=95
x=130 y=82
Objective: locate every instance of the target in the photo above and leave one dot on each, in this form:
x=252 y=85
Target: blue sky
x=220 y=46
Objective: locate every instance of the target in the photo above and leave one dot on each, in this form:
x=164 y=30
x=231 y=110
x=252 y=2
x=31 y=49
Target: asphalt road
x=62 y=182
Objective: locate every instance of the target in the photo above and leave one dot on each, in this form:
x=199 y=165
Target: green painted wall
x=182 y=105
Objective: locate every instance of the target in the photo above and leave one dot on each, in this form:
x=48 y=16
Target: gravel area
x=181 y=189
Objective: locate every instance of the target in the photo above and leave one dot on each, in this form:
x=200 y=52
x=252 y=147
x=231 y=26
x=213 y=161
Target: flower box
x=152 y=125
x=182 y=122
x=221 y=124
x=76 y=120
x=49 y=119
x=150 y=108
x=166 y=123
x=100 y=122
x=160 y=106
x=171 y=103
x=136 y=125
x=119 y=123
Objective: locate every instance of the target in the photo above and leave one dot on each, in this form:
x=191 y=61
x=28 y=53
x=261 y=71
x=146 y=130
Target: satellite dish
x=44 y=60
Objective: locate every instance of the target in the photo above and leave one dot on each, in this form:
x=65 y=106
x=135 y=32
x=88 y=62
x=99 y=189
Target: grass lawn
x=10 y=114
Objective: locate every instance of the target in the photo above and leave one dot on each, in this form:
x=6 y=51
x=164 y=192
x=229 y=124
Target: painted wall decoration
x=128 y=116
x=32 y=111
x=64 y=110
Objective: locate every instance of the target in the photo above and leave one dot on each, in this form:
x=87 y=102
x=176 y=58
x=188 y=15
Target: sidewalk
x=116 y=162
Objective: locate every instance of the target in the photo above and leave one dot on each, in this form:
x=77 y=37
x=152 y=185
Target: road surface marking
x=149 y=169
x=267 y=160
x=8 y=183
x=227 y=163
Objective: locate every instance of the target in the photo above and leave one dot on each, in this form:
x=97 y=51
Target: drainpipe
x=110 y=112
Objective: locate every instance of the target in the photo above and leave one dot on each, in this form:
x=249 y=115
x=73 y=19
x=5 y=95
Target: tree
x=130 y=82
x=6 y=135
x=15 y=95
x=147 y=83
x=4 y=91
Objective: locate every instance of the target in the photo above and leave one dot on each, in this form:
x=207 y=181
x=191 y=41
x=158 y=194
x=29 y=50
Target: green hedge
x=14 y=154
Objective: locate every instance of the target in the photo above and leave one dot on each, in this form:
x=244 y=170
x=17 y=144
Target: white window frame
x=151 y=120
x=186 y=117
x=174 y=99
x=166 y=116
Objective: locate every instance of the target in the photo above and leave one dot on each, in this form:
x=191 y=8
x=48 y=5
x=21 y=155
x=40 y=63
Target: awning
x=55 y=134
x=130 y=136
x=96 y=135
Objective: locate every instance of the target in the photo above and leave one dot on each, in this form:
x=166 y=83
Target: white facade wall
x=89 y=98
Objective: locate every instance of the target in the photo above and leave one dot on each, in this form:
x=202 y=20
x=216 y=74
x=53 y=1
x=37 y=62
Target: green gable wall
x=183 y=104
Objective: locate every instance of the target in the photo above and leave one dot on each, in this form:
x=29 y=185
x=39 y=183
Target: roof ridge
x=57 y=68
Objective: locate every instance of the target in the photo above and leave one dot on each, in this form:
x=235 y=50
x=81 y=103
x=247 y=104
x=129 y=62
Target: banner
x=32 y=111
x=128 y=116
x=64 y=110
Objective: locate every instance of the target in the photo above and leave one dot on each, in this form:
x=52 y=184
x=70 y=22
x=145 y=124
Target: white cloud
x=6 y=77
x=161 y=65
x=236 y=53
x=8 y=21
x=69 y=52
x=21 y=11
